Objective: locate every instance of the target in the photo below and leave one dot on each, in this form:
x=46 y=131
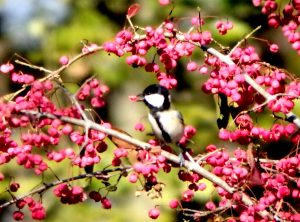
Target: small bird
x=167 y=123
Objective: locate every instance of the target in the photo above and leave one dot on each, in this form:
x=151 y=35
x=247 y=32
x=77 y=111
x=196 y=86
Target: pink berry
x=139 y=127
x=191 y=66
x=187 y=195
x=14 y=187
x=256 y=2
x=164 y=2
x=2 y=176
x=18 y=215
x=96 y=196
x=210 y=205
x=203 y=69
x=64 y=60
x=202 y=186
x=173 y=204
x=132 y=178
x=21 y=204
x=6 y=68
x=274 y=48
x=106 y=204
x=154 y=213
x=133 y=98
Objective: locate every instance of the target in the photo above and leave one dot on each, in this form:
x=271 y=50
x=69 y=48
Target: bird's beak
x=139 y=98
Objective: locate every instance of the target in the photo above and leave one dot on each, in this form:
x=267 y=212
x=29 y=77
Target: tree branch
x=56 y=73
x=46 y=186
x=291 y=117
x=171 y=157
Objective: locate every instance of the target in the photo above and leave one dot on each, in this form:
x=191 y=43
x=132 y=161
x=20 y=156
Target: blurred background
x=39 y=32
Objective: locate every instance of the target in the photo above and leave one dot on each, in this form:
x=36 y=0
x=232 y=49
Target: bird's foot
x=192 y=164
x=181 y=159
x=185 y=152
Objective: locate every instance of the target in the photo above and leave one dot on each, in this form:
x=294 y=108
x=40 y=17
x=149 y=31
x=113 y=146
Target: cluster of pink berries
x=60 y=155
x=223 y=27
x=277 y=187
x=70 y=194
x=46 y=132
x=22 y=78
x=96 y=196
x=168 y=47
x=252 y=133
x=287 y=17
x=189 y=132
x=94 y=89
x=37 y=210
x=22 y=154
x=229 y=80
x=89 y=158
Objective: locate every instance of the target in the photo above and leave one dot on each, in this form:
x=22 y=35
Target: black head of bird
x=156 y=97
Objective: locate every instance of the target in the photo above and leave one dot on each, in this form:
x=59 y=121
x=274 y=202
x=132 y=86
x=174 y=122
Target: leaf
x=132 y=149
x=121 y=143
x=133 y=10
x=112 y=188
x=7 y=97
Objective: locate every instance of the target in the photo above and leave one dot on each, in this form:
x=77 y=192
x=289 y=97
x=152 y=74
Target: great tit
x=167 y=123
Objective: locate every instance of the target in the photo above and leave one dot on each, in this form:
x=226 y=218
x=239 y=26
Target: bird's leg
x=181 y=157
x=183 y=152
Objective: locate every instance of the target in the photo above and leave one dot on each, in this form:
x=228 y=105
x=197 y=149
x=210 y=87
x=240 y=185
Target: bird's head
x=156 y=97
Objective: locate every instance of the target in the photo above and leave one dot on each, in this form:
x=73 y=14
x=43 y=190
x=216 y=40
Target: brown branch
x=42 y=69
x=244 y=40
x=56 y=73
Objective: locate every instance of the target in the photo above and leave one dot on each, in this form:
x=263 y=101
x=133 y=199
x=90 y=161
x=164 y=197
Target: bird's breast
x=167 y=125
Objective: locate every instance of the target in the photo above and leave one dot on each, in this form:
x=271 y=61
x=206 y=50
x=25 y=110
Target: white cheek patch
x=155 y=100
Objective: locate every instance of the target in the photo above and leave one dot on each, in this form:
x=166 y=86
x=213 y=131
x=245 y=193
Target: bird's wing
x=180 y=117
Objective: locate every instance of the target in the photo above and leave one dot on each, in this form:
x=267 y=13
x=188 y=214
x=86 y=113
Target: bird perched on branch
x=167 y=123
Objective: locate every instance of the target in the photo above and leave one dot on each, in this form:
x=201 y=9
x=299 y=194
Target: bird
x=167 y=123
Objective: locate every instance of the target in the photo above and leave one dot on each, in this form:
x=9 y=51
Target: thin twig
x=55 y=74
x=198 y=213
x=82 y=113
x=203 y=157
x=33 y=66
x=243 y=40
x=98 y=174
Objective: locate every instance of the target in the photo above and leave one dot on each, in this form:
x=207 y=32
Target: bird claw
x=181 y=159
x=185 y=151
